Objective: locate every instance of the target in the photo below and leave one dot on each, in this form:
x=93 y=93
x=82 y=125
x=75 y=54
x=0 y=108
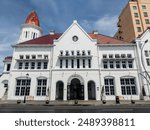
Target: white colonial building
x=143 y=49
x=75 y=65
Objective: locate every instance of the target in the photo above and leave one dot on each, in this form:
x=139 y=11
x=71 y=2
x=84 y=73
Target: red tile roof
x=102 y=39
x=48 y=39
x=8 y=58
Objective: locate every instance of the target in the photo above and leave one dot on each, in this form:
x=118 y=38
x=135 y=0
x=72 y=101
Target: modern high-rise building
x=133 y=20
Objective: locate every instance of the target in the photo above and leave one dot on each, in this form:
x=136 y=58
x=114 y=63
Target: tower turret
x=31 y=29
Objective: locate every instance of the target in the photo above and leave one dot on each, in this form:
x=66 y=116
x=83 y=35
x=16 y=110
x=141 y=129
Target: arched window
x=34 y=35
x=59 y=90
x=91 y=90
x=26 y=34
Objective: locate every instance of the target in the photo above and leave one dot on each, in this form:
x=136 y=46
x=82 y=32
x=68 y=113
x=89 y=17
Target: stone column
x=68 y=92
x=65 y=92
x=117 y=87
x=85 y=91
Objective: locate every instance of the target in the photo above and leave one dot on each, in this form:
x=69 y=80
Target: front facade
x=133 y=20
x=74 y=65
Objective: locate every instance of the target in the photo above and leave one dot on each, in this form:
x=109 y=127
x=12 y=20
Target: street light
x=142 y=48
x=27 y=75
x=147 y=76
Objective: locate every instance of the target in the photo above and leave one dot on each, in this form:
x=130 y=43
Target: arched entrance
x=91 y=90
x=75 y=90
x=59 y=90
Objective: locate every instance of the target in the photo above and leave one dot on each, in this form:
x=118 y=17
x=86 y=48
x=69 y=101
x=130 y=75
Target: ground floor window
x=23 y=87
x=41 y=87
x=109 y=86
x=128 y=86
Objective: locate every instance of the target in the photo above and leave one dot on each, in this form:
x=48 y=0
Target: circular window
x=75 y=38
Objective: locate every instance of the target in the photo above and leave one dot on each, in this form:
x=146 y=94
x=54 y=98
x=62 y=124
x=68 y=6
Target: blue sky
x=56 y=15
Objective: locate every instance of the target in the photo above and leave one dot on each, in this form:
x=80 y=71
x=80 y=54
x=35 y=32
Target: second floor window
x=39 y=65
x=118 y=61
x=117 y=64
x=105 y=64
x=26 y=65
x=66 y=63
x=72 y=63
x=148 y=62
x=45 y=65
x=20 y=65
x=89 y=63
x=61 y=63
x=83 y=63
x=32 y=65
x=146 y=53
x=8 y=67
x=78 y=63
x=111 y=64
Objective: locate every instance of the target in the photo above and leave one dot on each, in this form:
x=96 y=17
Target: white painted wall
x=118 y=73
x=54 y=73
x=33 y=74
x=143 y=43
x=3 y=78
x=30 y=29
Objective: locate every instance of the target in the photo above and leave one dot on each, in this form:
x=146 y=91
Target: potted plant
x=76 y=102
x=47 y=102
x=18 y=101
x=132 y=101
x=104 y=101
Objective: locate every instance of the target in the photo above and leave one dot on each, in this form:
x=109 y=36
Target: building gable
x=74 y=30
x=144 y=36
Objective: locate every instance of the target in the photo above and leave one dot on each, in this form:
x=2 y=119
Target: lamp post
x=24 y=101
x=147 y=76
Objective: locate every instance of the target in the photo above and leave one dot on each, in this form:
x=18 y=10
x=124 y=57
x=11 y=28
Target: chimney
x=52 y=32
x=95 y=32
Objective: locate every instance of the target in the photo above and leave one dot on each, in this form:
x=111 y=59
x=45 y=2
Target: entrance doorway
x=59 y=90
x=91 y=90
x=75 y=90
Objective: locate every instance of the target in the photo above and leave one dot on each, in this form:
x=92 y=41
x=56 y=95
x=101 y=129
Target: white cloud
x=106 y=25
x=87 y=25
x=46 y=5
x=1 y=63
x=7 y=38
x=4 y=47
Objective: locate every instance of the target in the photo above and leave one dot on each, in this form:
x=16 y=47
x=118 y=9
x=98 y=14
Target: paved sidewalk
x=78 y=103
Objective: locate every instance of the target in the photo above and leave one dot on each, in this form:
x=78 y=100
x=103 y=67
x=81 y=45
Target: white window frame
x=110 y=86
x=41 y=88
x=127 y=87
